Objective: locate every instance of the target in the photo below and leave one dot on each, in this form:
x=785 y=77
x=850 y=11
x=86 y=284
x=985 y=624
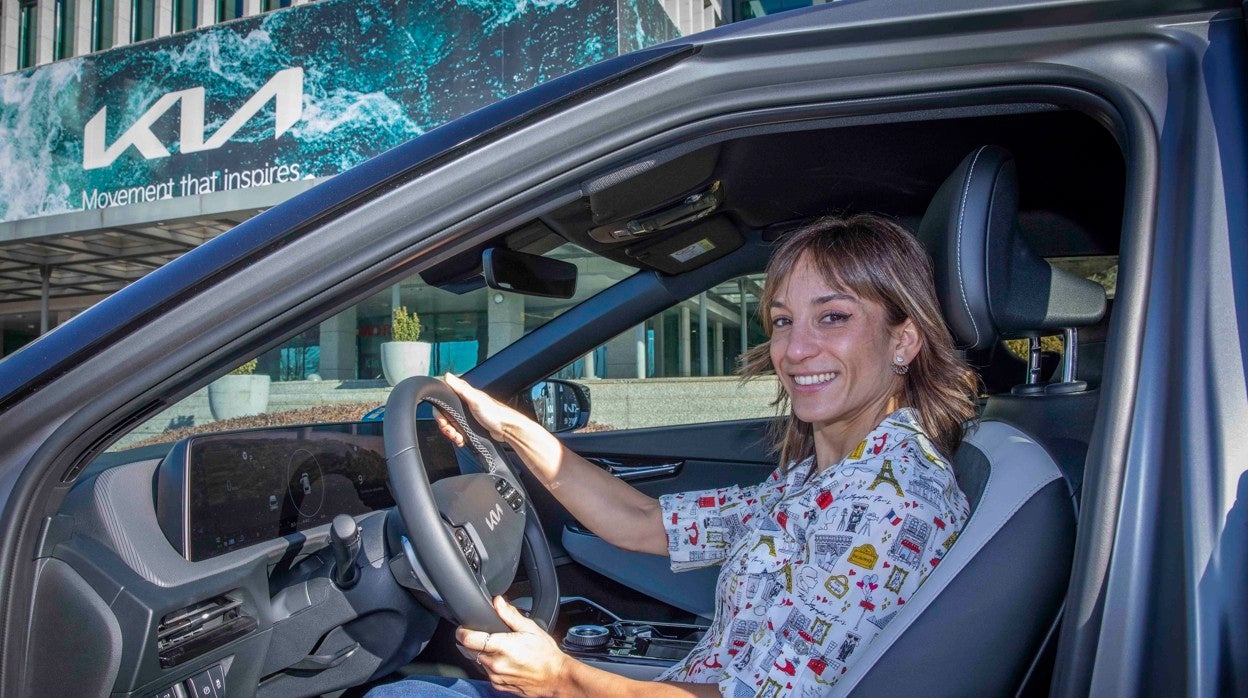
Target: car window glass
x=679 y=366
x=337 y=370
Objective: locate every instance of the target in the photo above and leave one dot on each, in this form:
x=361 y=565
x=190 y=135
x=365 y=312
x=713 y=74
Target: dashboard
x=221 y=492
x=211 y=557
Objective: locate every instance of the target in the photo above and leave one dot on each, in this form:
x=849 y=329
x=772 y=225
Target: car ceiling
x=1070 y=168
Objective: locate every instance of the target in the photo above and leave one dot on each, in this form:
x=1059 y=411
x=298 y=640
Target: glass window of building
x=229 y=9
x=184 y=14
x=270 y=5
x=27 y=37
x=748 y=9
x=102 y=24
x=64 y=39
x=142 y=19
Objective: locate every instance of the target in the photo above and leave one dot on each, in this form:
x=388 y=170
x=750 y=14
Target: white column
x=719 y=348
x=703 y=358
x=659 y=353
x=162 y=20
x=45 y=275
x=591 y=371
x=122 y=20
x=744 y=317
x=505 y=320
x=206 y=14
x=10 y=24
x=639 y=337
x=252 y=7
x=686 y=348
x=82 y=27
x=45 y=32
x=339 y=352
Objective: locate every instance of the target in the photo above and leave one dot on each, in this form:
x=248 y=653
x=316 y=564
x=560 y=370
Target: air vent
x=189 y=632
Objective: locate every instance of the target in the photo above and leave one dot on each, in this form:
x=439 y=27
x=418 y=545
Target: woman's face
x=833 y=352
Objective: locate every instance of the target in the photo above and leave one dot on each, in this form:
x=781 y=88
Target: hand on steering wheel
x=466 y=533
x=497 y=419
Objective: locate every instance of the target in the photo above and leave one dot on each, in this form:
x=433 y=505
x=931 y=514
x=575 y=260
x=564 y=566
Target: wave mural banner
x=300 y=93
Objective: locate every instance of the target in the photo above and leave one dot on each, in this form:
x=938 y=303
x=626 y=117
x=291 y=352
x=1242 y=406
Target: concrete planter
x=401 y=360
x=238 y=396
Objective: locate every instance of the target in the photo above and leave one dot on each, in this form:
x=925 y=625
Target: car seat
x=979 y=622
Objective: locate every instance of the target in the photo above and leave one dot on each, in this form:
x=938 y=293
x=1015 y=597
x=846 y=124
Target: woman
x=819 y=557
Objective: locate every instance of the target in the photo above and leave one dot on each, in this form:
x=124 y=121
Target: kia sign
x=285 y=89
x=295 y=94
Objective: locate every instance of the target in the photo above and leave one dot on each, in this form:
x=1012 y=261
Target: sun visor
x=689 y=248
x=647 y=185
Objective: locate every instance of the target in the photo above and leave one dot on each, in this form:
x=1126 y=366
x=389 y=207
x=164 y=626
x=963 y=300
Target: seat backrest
x=977 y=624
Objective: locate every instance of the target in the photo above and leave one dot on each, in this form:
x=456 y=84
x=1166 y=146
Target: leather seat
x=980 y=620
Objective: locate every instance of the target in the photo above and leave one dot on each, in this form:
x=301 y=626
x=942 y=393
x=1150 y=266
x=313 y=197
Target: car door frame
x=1165 y=133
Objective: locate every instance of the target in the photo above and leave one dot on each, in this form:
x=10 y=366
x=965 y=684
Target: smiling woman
x=855 y=332
x=864 y=484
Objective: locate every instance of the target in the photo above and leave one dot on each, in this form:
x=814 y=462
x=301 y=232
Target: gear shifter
x=344 y=538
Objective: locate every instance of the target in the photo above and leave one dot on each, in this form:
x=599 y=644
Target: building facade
x=135 y=130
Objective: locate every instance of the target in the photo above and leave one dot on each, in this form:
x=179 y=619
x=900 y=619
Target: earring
x=900 y=368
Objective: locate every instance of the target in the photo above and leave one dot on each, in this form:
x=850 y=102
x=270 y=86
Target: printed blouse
x=814 y=567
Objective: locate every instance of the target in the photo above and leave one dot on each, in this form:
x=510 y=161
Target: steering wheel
x=467 y=533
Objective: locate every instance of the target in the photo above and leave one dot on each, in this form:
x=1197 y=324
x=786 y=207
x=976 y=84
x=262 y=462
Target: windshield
x=343 y=367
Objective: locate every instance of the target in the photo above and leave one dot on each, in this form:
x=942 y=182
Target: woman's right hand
x=501 y=421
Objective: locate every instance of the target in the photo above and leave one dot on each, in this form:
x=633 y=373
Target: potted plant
x=405 y=356
x=239 y=393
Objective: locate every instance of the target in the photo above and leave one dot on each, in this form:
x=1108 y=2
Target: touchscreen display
x=249 y=487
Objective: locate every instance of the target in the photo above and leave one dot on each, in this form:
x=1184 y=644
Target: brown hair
x=880 y=261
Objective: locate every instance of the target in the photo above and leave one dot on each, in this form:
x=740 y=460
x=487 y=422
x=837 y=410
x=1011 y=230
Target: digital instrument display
x=248 y=487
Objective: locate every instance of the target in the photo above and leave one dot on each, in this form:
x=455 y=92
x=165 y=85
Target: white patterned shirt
x=814 y=569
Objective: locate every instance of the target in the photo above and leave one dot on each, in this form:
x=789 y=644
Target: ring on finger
x=486 y=646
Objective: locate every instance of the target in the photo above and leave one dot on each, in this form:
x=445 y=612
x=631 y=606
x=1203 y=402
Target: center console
x=639 y=649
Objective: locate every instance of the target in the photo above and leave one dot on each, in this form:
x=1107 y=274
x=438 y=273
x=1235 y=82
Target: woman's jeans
x=437 y=686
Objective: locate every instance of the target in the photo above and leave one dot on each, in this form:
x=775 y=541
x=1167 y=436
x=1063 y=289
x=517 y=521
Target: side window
x=680 y=366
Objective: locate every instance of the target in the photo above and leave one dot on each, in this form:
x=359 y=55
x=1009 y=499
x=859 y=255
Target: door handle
x=636 y=469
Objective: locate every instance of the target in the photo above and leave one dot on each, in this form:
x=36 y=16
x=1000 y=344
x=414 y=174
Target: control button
x=217 y=674
x=502 y=486
x=167 y=693
x=200 y=686
x=515 y=501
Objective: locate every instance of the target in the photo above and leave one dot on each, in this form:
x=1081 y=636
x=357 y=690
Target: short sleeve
x=702 y=525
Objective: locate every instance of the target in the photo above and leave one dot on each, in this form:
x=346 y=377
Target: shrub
x=245 y=369
x=406 y=326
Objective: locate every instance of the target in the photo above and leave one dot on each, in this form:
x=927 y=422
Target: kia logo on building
x=285 y=88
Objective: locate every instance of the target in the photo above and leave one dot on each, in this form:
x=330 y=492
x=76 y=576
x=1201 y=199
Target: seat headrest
x=990 y=283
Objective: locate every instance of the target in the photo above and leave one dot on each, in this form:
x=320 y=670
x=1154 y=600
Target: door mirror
x=557 y=405
x=528 y=274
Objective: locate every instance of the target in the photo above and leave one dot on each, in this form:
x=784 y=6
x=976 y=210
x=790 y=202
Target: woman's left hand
x=526 y=661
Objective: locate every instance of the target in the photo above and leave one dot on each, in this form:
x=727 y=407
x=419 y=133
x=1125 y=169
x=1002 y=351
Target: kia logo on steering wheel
x=495 y=515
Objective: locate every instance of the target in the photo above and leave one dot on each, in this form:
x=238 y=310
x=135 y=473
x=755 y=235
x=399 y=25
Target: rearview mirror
x=528 y=274
x=557 y=405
